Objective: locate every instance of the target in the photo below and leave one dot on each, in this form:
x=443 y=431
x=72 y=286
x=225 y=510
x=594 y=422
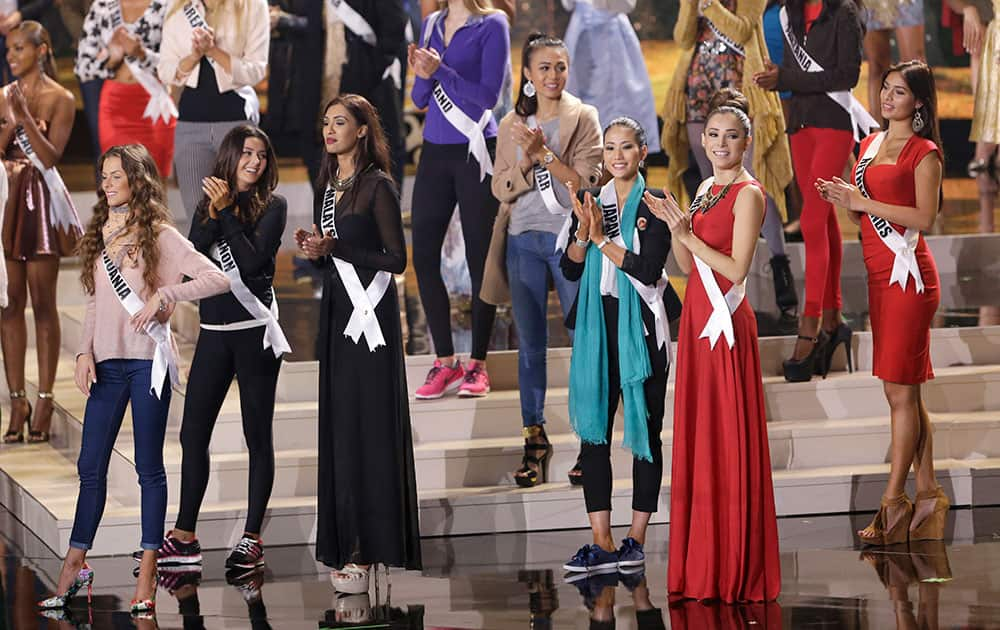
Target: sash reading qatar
x=274 y=337
x=164 y=361
x=363 y=320
x=251 y=105
x=460 y=120
x=861 y=120
x=160 y=104
x=720 y=322
x=904 y=246
x=651 y=295
x=360 y=27
x=62 y=212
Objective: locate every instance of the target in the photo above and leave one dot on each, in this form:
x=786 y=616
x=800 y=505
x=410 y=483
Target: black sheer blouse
x=254 y=247
x=369 y=225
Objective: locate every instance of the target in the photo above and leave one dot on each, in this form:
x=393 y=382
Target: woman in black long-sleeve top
x=367 y=491
x=617 y=248
x=238 y=225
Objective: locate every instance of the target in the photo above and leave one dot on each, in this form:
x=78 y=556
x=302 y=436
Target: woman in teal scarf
x=616 y=249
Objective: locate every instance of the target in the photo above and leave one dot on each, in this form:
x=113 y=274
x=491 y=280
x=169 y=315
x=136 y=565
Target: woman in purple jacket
x=459 y=66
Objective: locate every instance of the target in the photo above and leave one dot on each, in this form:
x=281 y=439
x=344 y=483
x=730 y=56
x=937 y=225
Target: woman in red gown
x=897 y=193
x=723 y=529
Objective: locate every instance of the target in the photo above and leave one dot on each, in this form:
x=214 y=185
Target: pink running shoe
x=476 y=382
x=441 y=380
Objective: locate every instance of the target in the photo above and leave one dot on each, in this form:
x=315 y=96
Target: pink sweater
x=107 y=332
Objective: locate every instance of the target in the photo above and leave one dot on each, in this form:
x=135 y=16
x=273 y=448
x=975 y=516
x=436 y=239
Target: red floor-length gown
x=723 y=529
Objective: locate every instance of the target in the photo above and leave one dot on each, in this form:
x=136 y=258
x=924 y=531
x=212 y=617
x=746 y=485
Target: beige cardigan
x=581 y=149
x=772 y=161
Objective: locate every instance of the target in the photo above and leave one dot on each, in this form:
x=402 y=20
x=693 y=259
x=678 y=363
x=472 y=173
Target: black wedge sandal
x=536 y=454
x=802 y=370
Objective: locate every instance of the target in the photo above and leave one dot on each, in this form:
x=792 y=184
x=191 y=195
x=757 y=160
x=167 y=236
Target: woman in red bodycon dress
x=723 y=529
x=897 y=193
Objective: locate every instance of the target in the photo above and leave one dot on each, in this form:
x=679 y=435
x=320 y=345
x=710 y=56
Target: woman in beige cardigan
x=722 y=45
x=550 y=141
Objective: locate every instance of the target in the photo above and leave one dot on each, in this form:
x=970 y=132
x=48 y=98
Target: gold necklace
x=709 y=200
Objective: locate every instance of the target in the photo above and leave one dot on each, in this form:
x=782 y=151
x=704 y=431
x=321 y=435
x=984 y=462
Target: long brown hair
x=919 y=79
x=228 y=160
x=36 y=34
x=373 y=149
x=148 y=211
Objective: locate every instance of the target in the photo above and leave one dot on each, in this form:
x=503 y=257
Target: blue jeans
x=118 y=382
x=531 y=261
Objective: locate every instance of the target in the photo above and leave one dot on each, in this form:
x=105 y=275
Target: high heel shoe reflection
x=926 y=563
x=353 y=611
x=543 y=598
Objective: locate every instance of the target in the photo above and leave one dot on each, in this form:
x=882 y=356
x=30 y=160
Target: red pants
x=120 y=121
x=820 y=153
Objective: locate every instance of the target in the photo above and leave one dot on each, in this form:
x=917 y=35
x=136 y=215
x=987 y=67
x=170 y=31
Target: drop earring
x=529 y=89
x=918 y=121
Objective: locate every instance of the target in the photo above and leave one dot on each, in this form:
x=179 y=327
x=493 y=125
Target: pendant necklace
x=709 y=200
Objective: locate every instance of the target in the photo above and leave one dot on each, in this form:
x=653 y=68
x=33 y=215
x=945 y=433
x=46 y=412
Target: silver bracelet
x=603 y=243
x=581 y=243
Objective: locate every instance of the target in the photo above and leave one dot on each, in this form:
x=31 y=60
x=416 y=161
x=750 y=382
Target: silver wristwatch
x=581 y=243
x=603 y=243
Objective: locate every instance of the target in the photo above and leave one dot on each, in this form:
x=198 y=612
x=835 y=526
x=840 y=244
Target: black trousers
x=595 y=459
x=218 y=357
x=448 y=175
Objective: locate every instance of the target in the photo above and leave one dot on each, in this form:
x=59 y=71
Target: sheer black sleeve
x=204 y=234
x=389 y=221
x=255 y=250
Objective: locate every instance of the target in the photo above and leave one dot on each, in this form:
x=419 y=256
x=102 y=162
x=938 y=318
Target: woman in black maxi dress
x=367 y=500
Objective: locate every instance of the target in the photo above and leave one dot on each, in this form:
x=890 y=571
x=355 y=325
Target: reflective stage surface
x=514 y=581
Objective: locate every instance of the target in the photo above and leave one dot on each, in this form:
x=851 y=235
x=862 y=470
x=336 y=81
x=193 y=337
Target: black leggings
x=218 y=357
x=595 y=459
x=447 y=175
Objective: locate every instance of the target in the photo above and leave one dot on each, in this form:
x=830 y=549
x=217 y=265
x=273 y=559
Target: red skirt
x=120 y=121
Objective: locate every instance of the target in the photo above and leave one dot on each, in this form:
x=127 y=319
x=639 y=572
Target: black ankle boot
x=784 y=283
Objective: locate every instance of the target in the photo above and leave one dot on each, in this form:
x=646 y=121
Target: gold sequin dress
x=986 y=116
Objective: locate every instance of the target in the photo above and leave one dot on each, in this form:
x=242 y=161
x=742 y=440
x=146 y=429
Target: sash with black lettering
x=543 y=182
x=251 y=104
x=164 y=362
x=904 y=246
x=861 y=121
x=274 y=337
x=160 y=104
x=720 y=322
x=363 y=320
x=62 y=212
x=458 y=119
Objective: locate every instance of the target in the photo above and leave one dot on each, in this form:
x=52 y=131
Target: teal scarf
x=588 y=372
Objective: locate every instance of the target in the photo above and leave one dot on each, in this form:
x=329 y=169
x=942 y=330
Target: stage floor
x=514 y=581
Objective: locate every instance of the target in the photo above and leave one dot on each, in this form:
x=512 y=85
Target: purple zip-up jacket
x=471 y=72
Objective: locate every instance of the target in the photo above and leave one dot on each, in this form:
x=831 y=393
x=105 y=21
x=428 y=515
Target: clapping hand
x=840 y=193
x=581 y=212
x=218 y=193
x=425 y=61
x=670 y=212
x=314 y=245
x=131 y=45
x=530 y=140
x=768 y=79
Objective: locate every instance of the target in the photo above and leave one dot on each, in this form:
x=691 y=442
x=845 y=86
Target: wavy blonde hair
x=476 y=7
x=148 y=211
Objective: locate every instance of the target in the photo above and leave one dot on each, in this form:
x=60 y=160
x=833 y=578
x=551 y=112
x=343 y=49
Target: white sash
x=651 y=295
x=164 y=362
x=160 y=104
x=543 y=181
x=720 y=322
x=904 y=246
x=274 y=337
x=360 y=27
x=62 y=212
x=460 y=120
x=861 y=120
x=363 y=320
x=251 y=104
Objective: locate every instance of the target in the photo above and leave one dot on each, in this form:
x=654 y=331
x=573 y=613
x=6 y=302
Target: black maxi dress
x=367 y=490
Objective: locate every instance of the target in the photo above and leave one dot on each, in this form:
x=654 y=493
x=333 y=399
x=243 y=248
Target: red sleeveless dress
x=900 y=320
x=723 y=528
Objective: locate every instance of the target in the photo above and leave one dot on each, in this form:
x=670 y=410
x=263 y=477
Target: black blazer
x=646 y=267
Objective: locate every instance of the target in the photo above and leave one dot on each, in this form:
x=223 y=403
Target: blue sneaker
x=591 y=558
x=631 y=554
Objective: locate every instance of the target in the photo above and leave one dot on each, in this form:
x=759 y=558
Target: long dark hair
x=373 y=149
x=528 y=105
x=228 y=160
x=148 y=211
x=35 y=33
x=919 y=79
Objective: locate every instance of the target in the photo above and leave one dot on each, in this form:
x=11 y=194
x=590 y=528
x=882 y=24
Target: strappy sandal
x=15 y=436
x=35 y=437
x=575 y=474
x=880 y=533
x=535 y=454
x=351 y=579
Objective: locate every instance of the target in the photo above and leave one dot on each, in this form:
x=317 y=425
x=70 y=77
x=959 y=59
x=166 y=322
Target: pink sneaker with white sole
x=440 y=380
x=476 y=382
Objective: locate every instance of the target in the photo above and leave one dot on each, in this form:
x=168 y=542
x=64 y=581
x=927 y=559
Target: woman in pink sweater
x=133 y=263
